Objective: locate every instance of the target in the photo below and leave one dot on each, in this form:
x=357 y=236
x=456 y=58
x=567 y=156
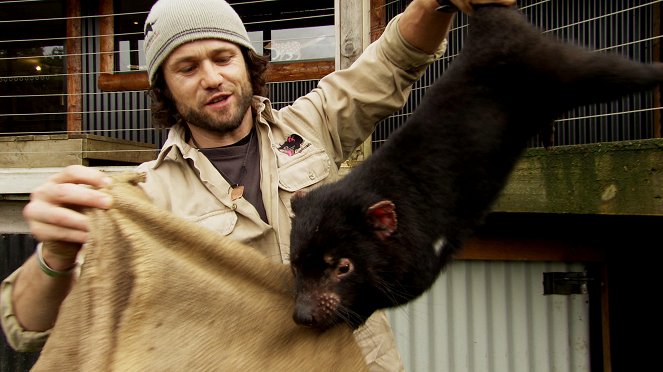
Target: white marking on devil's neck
x=439 y=244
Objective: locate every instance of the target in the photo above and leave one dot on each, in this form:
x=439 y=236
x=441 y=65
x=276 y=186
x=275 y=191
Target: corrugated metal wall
x=14 y=250
x=492 y=316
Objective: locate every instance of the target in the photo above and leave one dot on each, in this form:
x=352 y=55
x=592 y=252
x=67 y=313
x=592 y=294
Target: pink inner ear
x=382 y=215
x=299 y=194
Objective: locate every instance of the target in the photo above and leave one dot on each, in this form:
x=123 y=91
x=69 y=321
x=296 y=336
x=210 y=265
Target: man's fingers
x=72 y=195
x=82 y=175
x=47 y=232
x=46 y=213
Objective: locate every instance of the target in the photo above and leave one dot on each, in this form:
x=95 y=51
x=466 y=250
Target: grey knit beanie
x=172 y=23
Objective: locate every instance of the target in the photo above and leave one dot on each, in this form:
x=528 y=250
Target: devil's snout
x=303 y=315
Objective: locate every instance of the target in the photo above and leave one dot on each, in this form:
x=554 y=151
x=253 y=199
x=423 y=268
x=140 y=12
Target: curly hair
x=164 y=110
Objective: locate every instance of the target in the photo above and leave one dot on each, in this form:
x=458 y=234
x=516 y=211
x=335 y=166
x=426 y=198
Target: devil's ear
x=295 y=200
x=299 y=194
x=382 y=216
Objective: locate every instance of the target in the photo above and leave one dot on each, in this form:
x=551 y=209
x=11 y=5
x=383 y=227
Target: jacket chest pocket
x=304 y=171
x=222 y=221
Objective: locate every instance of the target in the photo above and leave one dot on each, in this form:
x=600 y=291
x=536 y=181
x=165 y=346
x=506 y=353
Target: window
x=301 y=44
x=128 y=25
x=288 y=31
x=292 y=31
x=32 y=67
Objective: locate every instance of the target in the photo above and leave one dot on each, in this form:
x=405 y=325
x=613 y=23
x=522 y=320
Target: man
x=230 y=163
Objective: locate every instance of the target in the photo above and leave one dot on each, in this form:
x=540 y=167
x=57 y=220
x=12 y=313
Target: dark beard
x=204 y=121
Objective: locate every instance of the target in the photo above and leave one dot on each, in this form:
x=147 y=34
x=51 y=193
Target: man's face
x=210 y=84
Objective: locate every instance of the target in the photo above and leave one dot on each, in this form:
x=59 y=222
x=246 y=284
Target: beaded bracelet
x=48 y=270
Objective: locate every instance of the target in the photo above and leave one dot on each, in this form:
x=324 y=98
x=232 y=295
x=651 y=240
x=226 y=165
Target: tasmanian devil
x=379 y=237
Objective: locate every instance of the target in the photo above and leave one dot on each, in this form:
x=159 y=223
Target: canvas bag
x=159 y=293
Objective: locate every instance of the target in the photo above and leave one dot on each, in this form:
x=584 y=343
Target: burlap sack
x=158 y=293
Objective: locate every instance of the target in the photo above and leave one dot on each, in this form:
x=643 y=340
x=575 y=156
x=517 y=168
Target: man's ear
x=382 y=216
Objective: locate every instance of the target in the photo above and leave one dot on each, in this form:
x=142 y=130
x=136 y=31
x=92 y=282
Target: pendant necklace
x=236 y=189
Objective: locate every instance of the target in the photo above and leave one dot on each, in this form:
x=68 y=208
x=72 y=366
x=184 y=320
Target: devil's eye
x=344 y=267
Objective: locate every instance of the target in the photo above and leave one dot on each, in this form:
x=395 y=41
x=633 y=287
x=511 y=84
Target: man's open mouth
x=218 y=98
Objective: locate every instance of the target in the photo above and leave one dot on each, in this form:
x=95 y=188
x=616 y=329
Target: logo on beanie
x=148 y=28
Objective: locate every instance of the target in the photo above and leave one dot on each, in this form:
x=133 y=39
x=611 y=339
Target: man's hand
x=53 y=213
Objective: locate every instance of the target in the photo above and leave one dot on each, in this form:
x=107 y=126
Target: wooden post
x=106 y=41
x=378 y=18
x=351 y=22
x=350 y=25
x=73 y=50
x=605 y=320
x=658 y=132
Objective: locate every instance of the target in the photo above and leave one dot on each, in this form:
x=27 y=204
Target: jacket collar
x=176 y=145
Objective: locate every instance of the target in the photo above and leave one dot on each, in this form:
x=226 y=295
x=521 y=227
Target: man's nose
x=211 y=76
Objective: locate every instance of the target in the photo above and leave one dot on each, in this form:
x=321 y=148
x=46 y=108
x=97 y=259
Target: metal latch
x=565 y=283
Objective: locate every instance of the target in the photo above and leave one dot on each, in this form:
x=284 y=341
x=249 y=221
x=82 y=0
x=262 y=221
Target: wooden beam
x=503 y=249
x=621 y=178
x=275 y=72
x=22 y=181
x=66 y=149
x=123 y=82
x=74 y=67
x=16 y=184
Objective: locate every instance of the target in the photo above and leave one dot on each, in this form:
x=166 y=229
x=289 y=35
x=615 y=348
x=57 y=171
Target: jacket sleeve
x=347 y=104
x=17 y=337
x=377 y=342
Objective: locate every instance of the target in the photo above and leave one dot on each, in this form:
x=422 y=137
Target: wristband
x=446 y=6
x=48 y=270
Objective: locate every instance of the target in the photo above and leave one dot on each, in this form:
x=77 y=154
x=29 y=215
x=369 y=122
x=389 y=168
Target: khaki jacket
x=332 y=120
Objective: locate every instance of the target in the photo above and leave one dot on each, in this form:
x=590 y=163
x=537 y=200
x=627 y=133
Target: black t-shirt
x=228 y=161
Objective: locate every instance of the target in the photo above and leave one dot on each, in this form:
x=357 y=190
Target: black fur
x=443 y=169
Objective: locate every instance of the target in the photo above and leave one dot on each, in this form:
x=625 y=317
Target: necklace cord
x=242 y=169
